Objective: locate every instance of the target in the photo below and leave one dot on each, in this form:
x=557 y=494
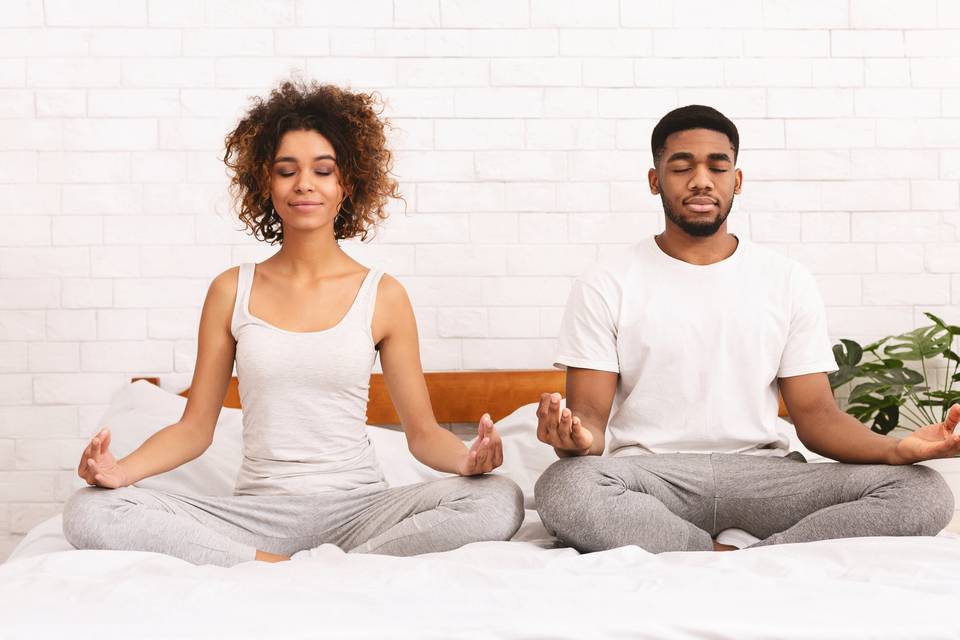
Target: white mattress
x=854 y=588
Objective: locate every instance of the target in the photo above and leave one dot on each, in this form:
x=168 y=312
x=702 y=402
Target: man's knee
x=935 y=502
x=559 y=488
x=925 y=502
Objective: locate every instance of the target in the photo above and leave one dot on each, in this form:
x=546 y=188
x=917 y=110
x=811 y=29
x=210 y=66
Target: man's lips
x=700 y=205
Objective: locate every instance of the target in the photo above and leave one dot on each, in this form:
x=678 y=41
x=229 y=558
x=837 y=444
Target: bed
x=530 y=587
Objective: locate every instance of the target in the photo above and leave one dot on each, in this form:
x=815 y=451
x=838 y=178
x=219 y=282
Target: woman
x=309 y=167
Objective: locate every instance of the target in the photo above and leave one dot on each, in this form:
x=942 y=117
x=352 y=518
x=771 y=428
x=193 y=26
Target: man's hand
x=486 y=454
x=98 y=466
x=937 y=440
x=561 y=429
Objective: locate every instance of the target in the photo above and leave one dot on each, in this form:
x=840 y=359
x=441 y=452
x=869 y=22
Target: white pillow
x=141 y=409
x=525 y=458
x=399 y=466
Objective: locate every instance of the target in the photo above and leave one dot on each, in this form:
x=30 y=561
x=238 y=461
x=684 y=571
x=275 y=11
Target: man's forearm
x=842 y=437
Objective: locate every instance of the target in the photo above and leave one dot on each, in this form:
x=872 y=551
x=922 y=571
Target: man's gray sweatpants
x=680 y=502
x=432 y=516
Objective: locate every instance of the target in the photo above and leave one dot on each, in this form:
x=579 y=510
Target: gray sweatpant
x=680 y=502
x=224 y=530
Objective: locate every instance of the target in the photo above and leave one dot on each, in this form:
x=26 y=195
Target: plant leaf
x=866 y=388
x=886 y=420
x=850 y=355
x=923 y=342
x=937 y=321
x=873 y=346
x=899 y=376
x=847 y=355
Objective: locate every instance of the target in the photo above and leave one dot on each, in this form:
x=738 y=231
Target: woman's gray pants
x=432 y=516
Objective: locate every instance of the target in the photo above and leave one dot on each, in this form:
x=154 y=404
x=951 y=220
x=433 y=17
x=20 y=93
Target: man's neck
x=695 y=250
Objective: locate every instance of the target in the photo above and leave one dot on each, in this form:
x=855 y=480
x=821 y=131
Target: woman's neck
x=303 y=258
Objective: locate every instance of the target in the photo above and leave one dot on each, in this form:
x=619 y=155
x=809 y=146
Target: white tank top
x=304 y=398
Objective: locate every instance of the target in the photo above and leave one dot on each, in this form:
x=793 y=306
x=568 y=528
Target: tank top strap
x=244 y=283
x=368 y=295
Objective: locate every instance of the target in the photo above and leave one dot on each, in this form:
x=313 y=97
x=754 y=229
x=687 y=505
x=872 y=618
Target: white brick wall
x=522 y=133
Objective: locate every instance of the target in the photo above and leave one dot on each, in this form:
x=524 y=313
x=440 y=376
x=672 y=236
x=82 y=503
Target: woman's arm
x=186 y=439
x=395 y=333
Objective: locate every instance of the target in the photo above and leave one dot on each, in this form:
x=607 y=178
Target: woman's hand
x=486 y=454
x=98 y=466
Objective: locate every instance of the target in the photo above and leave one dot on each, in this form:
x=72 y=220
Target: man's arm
x=578 y=430
x=823 y=428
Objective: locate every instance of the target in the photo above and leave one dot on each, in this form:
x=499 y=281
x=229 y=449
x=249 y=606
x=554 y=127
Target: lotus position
x=675 y=353
x=309 y=168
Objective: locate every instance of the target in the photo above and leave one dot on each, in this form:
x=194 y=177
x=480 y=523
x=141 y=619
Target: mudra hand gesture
x=560 y=428
x=98 y=466
x=486 y=454
x=938 y=440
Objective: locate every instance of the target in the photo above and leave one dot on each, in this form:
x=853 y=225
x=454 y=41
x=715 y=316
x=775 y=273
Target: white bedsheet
x=855 y=588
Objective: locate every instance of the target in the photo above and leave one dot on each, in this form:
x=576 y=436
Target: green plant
x=890 y=393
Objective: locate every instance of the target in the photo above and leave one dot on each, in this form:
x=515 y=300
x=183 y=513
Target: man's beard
x=697 y=229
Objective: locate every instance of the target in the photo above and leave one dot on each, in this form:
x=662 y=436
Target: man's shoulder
x=773 y=262
x=614 y=267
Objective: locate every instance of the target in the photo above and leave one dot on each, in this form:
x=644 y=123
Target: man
x=692 y=333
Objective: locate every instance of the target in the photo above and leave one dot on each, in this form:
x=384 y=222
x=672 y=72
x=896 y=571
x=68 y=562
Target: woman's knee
x=85 y=521
x=502 y=506
x=78 y=519
x=492 y=503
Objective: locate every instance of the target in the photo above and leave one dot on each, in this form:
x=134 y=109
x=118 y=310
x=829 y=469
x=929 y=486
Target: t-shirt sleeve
x=588 y=333
x=808 y=347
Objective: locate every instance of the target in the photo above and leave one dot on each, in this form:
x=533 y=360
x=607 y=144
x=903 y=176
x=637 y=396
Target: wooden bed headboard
x=456 y=396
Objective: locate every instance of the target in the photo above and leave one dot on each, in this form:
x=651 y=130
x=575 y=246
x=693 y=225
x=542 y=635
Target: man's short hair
x=694 y=116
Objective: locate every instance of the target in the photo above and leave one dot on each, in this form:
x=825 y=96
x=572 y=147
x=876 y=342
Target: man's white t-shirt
x=698 y=348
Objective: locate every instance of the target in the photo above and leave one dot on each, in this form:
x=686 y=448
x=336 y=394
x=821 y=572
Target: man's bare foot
x=723 y=547
x=270 y=557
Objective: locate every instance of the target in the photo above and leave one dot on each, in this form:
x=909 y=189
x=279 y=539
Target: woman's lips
x=305 y=206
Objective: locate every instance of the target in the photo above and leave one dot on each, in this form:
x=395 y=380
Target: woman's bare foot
x=723 y=547
x=270 y=557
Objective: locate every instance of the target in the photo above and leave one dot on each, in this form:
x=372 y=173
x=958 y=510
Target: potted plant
x=887 y=393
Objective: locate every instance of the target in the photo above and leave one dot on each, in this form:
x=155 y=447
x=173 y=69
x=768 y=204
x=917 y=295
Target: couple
x=674 y=352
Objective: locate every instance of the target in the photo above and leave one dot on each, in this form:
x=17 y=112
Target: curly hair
x=352 y=124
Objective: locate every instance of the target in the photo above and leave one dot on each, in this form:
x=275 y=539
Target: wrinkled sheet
x=854 y=588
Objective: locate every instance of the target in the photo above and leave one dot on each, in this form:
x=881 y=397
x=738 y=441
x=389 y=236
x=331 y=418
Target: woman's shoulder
x=390 y=290
x=223 y=287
